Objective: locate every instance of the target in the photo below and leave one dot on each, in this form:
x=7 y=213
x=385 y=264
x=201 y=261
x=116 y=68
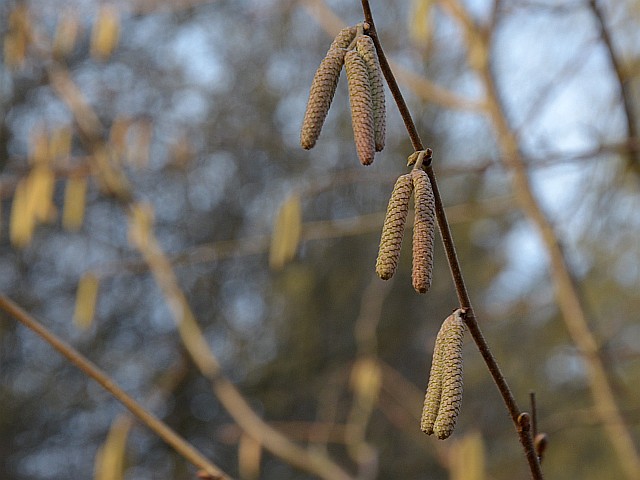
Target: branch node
x=524 y=422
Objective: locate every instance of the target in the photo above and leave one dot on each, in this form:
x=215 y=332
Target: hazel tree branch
x=452 y=258
x=566 y=288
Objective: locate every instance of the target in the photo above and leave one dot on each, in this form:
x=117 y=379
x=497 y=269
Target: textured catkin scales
x=451 y=376
x=434 y=390
x=321 y=94
x=393 y=228
x=361 y=106
x=444 y=392
x=367 y=50
x=423 y=231
x=323 y=88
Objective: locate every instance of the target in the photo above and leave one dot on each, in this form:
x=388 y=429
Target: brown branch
x=156 y=425
x=454 y=264
x=567 y=292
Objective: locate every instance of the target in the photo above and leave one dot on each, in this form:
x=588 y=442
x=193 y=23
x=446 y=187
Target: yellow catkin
x=323 y=88
x=86 y=299
x=367 y=49
x=75 y=193
x=444 y=392
x=361 y=106
x=106 y=31
x=393 y=228
x=423 y=231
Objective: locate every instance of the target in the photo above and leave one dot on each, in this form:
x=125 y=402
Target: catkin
x=434 y=390
x=367 y=49
x=323 y=88
x=361 y=106
x=444 y=392
x=423 y=231
x=393 y=228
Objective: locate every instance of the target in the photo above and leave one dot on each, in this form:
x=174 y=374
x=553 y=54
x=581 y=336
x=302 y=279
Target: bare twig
x=567 y=292
x=454 y=265
x=178 y=443
x=626 y=95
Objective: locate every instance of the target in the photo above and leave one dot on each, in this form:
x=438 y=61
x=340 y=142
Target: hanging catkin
x=444 y=392
x=361 y=106
x=434 y=389
x=367 y=49
x=393 y=228
x=423 y=231
x=323 y=88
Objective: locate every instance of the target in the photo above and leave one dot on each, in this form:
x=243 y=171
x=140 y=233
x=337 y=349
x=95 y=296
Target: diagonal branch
x=456 y=272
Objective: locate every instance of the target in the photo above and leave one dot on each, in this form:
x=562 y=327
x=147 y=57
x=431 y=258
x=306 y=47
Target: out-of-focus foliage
x=194 y=106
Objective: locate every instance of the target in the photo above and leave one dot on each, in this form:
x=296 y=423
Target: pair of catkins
x=357 y=52
x=444 y=392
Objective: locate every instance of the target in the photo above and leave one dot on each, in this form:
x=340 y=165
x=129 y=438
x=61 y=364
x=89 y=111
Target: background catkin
x=393 y=228
x=423 y=231
x=361 y=106
x=367 y=50
x=444 y=392
x=323 y=88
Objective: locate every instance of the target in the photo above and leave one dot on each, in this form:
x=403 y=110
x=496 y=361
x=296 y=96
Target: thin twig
x=454 y=264
x=178 y=443
x=626 y=94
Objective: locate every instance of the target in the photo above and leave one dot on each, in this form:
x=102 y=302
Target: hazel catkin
x=444 y=392
x=423 y=231
x=367 y=50
x=393 y=228
x=323 y=88
x=361 y=106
